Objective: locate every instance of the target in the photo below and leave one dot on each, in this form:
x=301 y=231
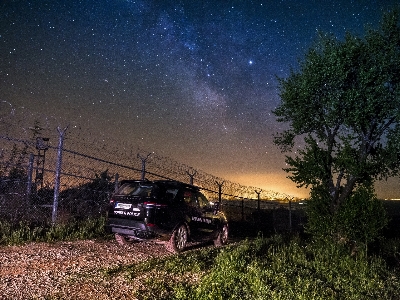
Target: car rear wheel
x=222 y=237
x=121 y=239
x=178 y=240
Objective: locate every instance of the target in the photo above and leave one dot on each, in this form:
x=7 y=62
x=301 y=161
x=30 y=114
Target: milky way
x=193 y=80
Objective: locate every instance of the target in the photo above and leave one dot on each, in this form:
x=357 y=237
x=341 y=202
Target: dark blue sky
x=193 y=80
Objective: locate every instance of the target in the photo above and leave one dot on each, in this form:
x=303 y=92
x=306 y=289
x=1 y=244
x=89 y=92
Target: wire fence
x=44 y=178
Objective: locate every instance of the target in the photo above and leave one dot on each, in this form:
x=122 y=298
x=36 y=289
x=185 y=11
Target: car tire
x=121 y=239
x=178 y=240
x=222 y=237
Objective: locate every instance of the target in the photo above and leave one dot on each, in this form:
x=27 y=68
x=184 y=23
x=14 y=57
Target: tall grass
x=272 y=268
x=15 y=234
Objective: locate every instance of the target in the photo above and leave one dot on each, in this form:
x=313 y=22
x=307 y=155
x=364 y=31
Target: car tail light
x=112 y=201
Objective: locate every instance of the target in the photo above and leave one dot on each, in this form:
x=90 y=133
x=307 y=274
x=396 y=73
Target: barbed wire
x=86 y=166
x=87 y=156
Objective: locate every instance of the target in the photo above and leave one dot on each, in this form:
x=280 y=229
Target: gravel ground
x=70 y=270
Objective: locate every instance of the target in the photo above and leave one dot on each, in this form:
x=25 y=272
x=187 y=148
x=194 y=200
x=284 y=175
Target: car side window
x=190 y=198
x=170 y=194
x=202 y=200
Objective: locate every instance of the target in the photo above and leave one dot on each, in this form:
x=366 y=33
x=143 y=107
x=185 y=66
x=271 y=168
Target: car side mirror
x=216 y=207
x=207 y=208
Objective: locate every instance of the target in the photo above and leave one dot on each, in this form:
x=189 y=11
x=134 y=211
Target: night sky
x=192 y=80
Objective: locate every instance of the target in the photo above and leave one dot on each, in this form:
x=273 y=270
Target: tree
x=343 y=110
x=89 y=199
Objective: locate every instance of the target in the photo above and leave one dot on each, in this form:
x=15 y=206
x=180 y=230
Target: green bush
x=270 y=269
x=319 y=215
x=360 y=218
x=14 y=234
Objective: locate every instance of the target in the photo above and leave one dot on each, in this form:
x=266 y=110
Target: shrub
x=360 y=218
x=14 y=234
x=273 y=269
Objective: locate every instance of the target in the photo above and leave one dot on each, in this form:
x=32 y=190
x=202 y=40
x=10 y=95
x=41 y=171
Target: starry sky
x=192 y=80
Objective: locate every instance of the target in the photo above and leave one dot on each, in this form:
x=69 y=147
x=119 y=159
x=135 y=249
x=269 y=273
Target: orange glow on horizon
x=269 y=181
x=278 y=182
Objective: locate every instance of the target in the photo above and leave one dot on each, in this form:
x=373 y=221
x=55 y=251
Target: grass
x=22 y=232
x=279 y=267
x=273 y=268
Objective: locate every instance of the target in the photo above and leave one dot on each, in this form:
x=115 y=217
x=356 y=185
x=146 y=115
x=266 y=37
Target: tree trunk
x=347 y=189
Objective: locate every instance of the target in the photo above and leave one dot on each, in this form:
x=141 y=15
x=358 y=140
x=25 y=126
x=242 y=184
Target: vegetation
x=343 y=111
x=14 y=168
x=275 y=268
x=266 y=268
x=361 y=218
x=89 y=199
x=23 y=232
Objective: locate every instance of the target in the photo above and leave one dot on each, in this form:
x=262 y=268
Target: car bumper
x=138 y=230
x=134 y=229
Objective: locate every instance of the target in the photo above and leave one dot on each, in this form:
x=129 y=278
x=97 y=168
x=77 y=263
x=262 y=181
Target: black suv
x=165 y=210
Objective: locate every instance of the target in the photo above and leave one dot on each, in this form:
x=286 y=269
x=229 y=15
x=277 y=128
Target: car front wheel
x=178 y=240
x=222 y=237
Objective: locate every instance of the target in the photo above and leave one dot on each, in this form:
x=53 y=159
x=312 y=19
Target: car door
x=208 y=224
x=193 y=214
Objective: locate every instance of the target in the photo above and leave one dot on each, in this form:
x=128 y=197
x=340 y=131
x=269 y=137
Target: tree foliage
x=343 y=110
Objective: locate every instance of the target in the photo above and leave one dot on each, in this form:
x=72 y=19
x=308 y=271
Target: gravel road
x=70 y=270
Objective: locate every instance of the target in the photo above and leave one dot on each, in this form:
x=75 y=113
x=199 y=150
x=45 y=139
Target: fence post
x=220 y=184
x=58 y=173
x=30 y=172
x=191 y=175
x=274 y=217
x=290 y=215
x=258 y=199
x=144 y=159
x=242 y=208
x=116 y=181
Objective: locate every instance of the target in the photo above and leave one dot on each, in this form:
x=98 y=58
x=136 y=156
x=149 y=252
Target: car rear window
x=134 y=189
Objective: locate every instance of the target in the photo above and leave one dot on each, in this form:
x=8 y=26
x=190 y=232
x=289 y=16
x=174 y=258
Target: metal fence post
x=220 y=184
x=290 y=215
x=58 y=173
x=258 y=199
x=191 y=175
x=242 y=208
x=30 y=172
x=143 y=159
x=116 y=182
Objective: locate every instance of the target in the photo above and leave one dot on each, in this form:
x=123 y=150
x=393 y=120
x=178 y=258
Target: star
x=189 y=79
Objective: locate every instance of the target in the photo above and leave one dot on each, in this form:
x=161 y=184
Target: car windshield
x=134 y=189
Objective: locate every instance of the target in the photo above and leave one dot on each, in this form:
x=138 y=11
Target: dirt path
x=70 y=270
